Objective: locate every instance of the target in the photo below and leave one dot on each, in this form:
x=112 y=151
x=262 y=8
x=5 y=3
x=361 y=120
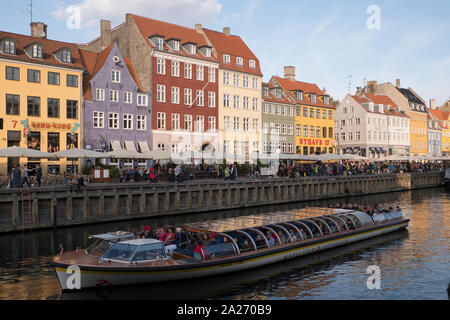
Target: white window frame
x=200 y=98
x=226 y=58
x=175 y=95
x=188 y=122
x=200 y=73
x=212 y=75
x=100 y=94
x=239 y=61
x=211 y=99
x=212 y=124
x=99 y=117
x=127 y=97
x=188 y=71
x=175 y=68
x=113 y=95
x=114 y=116
x=115 y=76
x=187 y=96
x=161 y=121
x=161 y=66
x=142 y=100
x=141 y=122
x=176 y=121
x=160 y=93
x=127 y=121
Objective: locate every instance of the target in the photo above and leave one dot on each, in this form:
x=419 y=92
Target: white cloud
x=184 y=12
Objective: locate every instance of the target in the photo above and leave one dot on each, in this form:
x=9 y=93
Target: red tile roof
x=149 y=27
x=380 y=99
x=235 y=47
x=293 y=85
x=49 y=47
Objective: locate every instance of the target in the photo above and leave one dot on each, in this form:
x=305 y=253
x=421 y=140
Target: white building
x=371 y=126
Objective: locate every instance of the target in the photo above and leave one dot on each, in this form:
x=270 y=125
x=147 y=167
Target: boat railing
x=218 y=251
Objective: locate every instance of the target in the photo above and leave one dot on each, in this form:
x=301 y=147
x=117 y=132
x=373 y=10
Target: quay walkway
x=57 y=206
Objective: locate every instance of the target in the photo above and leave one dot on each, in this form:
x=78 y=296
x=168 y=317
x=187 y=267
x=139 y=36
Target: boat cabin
x=103 y=241
x=134 y=251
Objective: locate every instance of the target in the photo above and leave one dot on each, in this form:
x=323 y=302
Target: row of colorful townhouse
x=148 y=84
x=380 y=120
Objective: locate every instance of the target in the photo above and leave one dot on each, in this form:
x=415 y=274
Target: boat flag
x=61 y=249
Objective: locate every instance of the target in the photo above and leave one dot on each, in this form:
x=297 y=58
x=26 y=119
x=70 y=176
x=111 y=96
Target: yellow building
x=41 y=98
x=419 y=133
x=314 y=115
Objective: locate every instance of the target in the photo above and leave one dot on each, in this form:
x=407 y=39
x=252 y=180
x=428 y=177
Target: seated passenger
x=199 y=249
x=246 y=246
x=180 y=238
x=259 y=241
x=212 y=240
x=350 y=224
x=293 y=235
x=147 y=233
x=270 y=238
x=170 y=237
x=303 y=233
x=283 y=239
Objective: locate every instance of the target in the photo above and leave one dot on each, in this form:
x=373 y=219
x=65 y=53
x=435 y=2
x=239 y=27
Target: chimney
x=198 y=28
x=105 y=33
x=433 y=103
x=227 y=31
x=397 y=83
x=289 y=73
x=38 y=30
x=372 y=86
x=324 y=90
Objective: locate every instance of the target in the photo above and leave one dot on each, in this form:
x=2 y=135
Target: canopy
x=125 y=154
x=159 y=154
x=24 y=152
x=78 y=153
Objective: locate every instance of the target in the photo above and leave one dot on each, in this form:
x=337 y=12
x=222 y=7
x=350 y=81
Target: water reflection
x=413 y=267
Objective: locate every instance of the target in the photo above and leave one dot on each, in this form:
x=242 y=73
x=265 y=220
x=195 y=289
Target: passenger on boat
x=259 y=241
x=161 y=234
x=303 y=233
x=271 y=238
x=246 y=245
x=198 y=249
x=282 y=237
x=293 y=235
x=212 y=240
x=170 y=237
x=180 y=238
x=349 y=224
x=147 y=233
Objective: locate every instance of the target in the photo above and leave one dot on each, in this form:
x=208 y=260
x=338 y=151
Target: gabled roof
x=49 y=47
x=379 y=99
x=235 y=47
x=93 y=63
x=293 y=85
x=410 y=95
x=150 y=27
x=441 y=116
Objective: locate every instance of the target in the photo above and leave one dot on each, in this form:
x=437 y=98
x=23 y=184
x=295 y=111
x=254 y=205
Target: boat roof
x=263 y=219
x=140 y=242
x=110 y=236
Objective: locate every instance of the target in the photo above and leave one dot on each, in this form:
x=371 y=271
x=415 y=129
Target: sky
x=337 y=44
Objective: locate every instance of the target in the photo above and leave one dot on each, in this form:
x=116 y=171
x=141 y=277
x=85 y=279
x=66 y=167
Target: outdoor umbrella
x=79 y=153
x=124 y=154
x=159 y=154
x=24 y=152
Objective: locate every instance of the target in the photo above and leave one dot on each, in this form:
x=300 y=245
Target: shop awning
x=115 y=145
x=129 y=145
x=144 y=146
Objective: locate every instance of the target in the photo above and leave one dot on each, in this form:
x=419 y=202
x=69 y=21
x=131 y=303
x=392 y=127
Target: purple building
x=117 y=114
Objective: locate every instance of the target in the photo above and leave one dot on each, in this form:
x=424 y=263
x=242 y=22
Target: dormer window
x=252 y=64
x=208 y=52
x=193 y=49
x=9 y=47
x=160 y=44
x=239 y=61
x=326 y=100
x=66 y=56
x=36 y=51
x=313 y=98
x=278 y=93
x=266 y=91
x=299 y=95
x=226 y=58
x=176 y=45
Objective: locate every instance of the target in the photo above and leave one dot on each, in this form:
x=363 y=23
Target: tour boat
x=235 y=244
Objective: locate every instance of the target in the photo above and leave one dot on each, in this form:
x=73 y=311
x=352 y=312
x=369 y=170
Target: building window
x=175 y=68
x=291 y=129
x=299 y=95
x=252 y=64
x=211 y=99
x=72 y=81
x=245 y=103
x=72 y=109
x=188 y=97
x=245 y=81
x=161 y=93
x=66 y=56
x=200 y=98
x=141 y=123
x=34 y=76
x=53 y=108
x=128 y=121
x=200 y=73
x=175 y=121
x=98 y=119
x=298 y=130
x=212 y=124
x=236 y=79
x=9 y=47
x=100 y=94
x=175 y=95
x=255 y=104
x=142 y=100
x=212 y=75
x=236 y=124
x=36 y=51
x=161 y=66
x=12 y=104
x=113 y=95
x=305 y=131
x=226 y=122
x=245 y=124
x=34 y=106
x=226 y=78
x=226 y=100
x=160 y=44
x=161 y=120
x=311 y=113
x=12 y=73
x=53 y=78
x=239 y=61
x=255 y=124
x=113 y=120
x=313 y=98
x=200 y=123
x=226 y=58
x=311 y=132
x=127 y=97
x=236 y=102
x=188 y=71
x=324 y=132
x=188 y=122
x=305 y=112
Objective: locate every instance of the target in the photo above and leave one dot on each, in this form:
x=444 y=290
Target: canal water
x=414 y=264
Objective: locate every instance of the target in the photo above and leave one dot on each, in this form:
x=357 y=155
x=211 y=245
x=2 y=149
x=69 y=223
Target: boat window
x=270 y=233
x=294 y=232
x=305 y=231
x=339 y=222
x=356 y=221
x=219 y=251
x=282 y=233
x=98 y=247
x=242 y=240
x=120 y=251
x=332 y=224
x=314 y=229
x=324 y=227
x=152 y=251
x=348 y=222
x=258 y=237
